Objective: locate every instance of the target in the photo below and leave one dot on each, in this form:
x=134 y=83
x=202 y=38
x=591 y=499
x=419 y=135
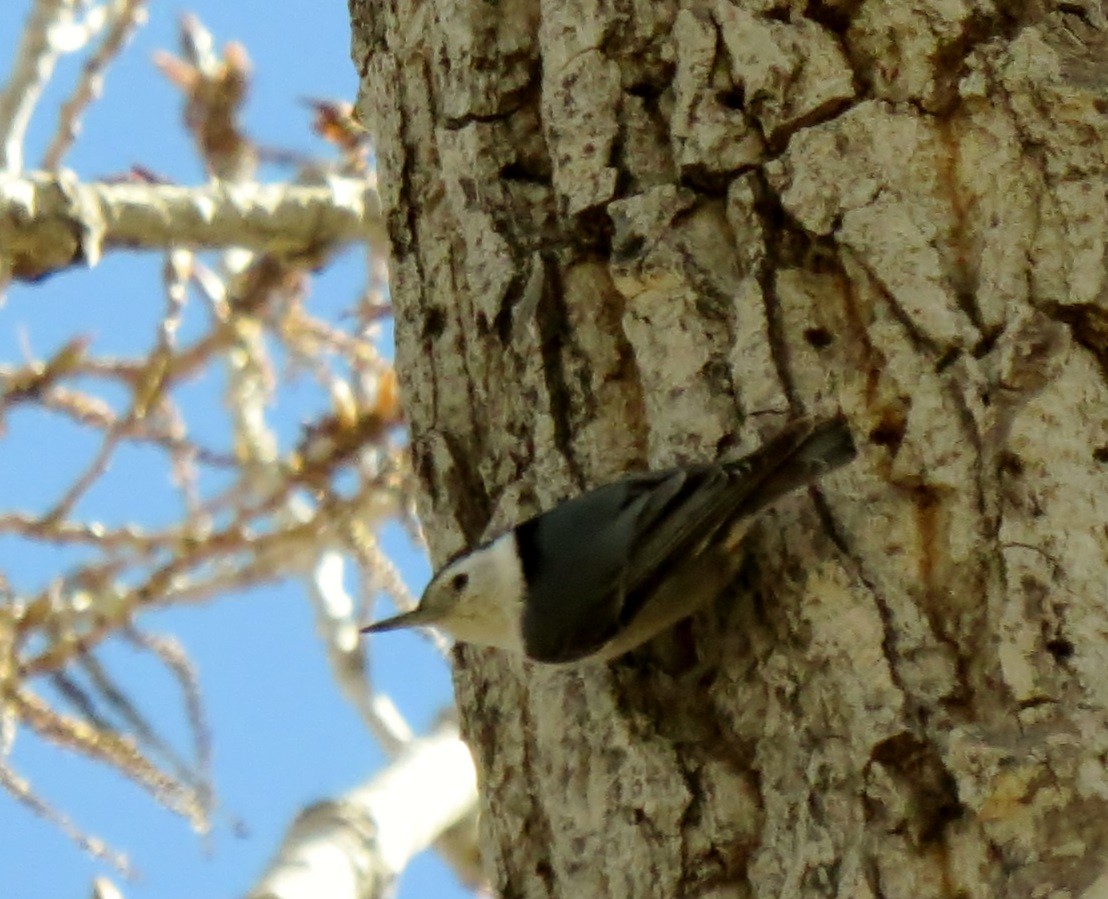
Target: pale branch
x=171 y=654
x=103 y=888
x=51 y=222
x=125 y=17
x=51 y=30
x=337 y=628
x=356 y=845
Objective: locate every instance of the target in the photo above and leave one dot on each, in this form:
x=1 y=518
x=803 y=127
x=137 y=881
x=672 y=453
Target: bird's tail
x=806 y=449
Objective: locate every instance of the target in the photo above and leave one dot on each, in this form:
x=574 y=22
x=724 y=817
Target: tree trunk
x=638 y=233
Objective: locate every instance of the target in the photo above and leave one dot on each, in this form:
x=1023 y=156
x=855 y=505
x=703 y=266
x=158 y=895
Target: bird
x=603 y=572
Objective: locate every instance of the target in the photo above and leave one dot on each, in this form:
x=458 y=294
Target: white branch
x=334 y=610
x=50 y=31
x=49 y=222
x=356 y=845
x=125 y=17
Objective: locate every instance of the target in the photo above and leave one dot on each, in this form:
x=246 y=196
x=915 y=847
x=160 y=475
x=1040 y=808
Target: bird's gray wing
x=616 y=544
x=715 y=497
x=575 y=562
x=671 y=533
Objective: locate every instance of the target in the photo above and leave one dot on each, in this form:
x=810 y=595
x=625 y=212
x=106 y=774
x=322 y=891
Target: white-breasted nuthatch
x=602 y=573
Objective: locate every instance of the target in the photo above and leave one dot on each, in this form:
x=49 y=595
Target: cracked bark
x=643 y=233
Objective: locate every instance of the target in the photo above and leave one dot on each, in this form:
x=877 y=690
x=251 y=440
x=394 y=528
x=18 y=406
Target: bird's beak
x=417 y=617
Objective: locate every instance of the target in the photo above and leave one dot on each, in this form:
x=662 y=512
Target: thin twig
x=32 y=67
x=126 y=17
x=173 y=656
x=107 y=747
x=21 y=790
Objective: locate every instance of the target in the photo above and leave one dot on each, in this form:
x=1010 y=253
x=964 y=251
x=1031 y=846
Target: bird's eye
x=459 y=582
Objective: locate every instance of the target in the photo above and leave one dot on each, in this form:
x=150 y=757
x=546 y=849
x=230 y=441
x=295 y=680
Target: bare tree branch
x=272 y=511
x=356 y=845
x=51 y=30
x=48 y=223
x=124 y=18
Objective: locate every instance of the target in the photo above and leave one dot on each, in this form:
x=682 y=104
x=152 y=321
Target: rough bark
x=635 y=233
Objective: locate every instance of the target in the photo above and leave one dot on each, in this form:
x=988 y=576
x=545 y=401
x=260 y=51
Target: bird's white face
x=477 y=598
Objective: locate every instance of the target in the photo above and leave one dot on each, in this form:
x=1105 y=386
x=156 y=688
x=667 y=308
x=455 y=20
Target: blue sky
x=282 y=734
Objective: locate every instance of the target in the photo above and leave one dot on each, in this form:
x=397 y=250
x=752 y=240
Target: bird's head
x=476 y=597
